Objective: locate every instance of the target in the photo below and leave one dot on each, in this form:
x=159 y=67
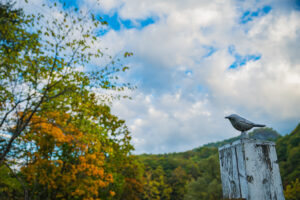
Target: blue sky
x=251 y=15
x=197 y=61
x=115 y=22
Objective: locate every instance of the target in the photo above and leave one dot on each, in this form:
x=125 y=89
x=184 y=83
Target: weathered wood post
x=249 y=170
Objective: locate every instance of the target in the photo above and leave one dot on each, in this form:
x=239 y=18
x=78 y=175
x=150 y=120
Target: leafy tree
x=151 y=187
x=288 y=151
x=62 y=162
x=163 y=188
x=52 y=124
x=177 y=181
x=39 y=65
x=208 y=184
x=10 y=187
x=132 y=175
x=77 y=155
x=155 y=185
x=292 y=191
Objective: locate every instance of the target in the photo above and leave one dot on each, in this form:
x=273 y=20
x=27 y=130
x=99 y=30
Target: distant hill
x=259 y=134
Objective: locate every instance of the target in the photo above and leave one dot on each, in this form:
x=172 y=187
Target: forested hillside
x=288 y=152
x=195 y=174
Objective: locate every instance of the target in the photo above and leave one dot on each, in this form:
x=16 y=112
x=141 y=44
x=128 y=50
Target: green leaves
x=40 y=67
x=125 y=68
x=128 y=54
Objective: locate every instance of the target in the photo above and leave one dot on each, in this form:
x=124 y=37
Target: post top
x=246 y=141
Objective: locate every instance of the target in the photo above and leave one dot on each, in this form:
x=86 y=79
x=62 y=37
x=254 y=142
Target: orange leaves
x=79 y=154
x=53 y=128
x=112 y=193
x=55 y=132
x=64 y=159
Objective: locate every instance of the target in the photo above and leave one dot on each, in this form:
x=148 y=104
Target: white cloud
x=267 y=90
x=183 y=94
x=169 y=122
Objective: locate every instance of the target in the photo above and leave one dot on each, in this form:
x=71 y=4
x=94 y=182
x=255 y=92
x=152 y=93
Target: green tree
x=10 y=187
x=79 y=155
x=292 y=191
x=39 y=64
x=163 y=188
x=208 y=184
x=156 y=186
x=150 y=188
x=288 y=151
x=131 y=174
x=177 y=181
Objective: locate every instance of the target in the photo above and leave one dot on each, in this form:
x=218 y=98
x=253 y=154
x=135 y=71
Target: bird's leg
x=244 y=135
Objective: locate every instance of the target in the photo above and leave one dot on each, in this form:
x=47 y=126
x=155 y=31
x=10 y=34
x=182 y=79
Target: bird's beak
x=227 y=117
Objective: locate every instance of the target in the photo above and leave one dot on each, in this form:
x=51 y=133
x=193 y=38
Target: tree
x=178 y=180
x=52 y=122
x=132 y=173
x=73 y=156
x=208 y=184
x=61 y=160
x=292 y=191
x=288 y=150
x=156 y=186
x=10 y=188
x=39 y=65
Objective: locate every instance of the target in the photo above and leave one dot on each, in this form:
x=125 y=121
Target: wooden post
x=249 y=170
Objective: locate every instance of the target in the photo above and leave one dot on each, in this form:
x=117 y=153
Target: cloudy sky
x=196 y=61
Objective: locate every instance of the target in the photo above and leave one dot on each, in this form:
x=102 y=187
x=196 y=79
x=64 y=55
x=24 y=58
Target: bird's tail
x=259 y=125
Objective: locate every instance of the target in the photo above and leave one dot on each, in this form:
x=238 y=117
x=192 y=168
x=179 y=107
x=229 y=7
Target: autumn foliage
x=62 y=160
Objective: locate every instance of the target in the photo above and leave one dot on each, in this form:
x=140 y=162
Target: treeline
x=189 y=175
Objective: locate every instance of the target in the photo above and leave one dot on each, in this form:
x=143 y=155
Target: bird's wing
x=243 y=120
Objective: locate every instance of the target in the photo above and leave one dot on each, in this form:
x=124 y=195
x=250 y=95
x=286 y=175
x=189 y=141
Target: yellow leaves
x=78 y=192
x=92 y=156
x=109 y=178
x=101 y=184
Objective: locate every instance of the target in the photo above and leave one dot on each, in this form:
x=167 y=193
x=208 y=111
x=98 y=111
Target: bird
x=242 y=124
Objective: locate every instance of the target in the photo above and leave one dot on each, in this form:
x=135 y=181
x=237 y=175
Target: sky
x=197 y=61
